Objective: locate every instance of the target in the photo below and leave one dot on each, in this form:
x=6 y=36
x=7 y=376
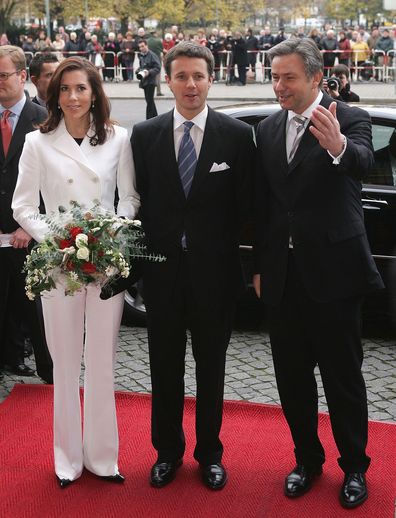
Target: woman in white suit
x=78 y=154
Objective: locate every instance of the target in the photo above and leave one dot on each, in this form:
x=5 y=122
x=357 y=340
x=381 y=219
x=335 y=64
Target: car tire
x=134 y=308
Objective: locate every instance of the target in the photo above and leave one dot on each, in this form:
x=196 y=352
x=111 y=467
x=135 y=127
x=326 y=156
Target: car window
x=384 y=143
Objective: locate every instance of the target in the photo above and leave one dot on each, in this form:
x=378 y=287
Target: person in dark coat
x=252 y=47
x=313 y=262
x=329 y=45
x=111 y=49
x=195 y=221
x=149 y=68
x=20 y=116
x=240 y=57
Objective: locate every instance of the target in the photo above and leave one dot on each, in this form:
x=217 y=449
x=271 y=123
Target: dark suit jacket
x=31 y=115
x=319 y=205
x=212 y=214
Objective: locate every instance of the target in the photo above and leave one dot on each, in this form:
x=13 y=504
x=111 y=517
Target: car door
x=379 y=204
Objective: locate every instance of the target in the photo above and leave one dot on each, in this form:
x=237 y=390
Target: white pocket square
x=219 y=167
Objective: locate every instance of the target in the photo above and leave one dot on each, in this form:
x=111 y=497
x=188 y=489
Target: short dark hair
x=36 y=65
x=100 y=111
x=188 y=49
x=340 y=69
x=306 y=48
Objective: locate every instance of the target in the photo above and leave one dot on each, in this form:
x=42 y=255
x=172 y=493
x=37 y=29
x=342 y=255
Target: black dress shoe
x=214 y=475
x=117 y=478
x=63 y=482
x=20 y=369
x=354 y=490
x=300 y=480
x=164 y=472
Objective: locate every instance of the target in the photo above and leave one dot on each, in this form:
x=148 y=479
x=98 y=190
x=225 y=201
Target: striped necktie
x=6 y=130
x=299 y=122
x=187 y=159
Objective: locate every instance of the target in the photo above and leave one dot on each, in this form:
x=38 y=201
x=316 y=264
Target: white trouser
x=64 y=317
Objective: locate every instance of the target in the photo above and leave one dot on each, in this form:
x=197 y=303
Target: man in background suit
x=18 y=117
x=192 y=172
x=314 y=263
x=42 y=68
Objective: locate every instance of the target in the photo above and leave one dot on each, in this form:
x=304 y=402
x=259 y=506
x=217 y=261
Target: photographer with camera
x=338 y=87
x=149 y=68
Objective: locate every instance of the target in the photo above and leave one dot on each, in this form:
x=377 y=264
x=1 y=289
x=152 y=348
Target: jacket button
x=290 y=214
x=4 y=170
x=3 y=192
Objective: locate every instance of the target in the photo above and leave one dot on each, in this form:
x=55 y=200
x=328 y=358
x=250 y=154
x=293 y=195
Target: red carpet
x=258 y=455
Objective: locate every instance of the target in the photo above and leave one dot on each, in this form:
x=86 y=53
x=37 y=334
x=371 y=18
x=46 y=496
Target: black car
x=379 y=203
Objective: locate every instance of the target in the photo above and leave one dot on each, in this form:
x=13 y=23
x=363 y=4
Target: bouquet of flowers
x=84 y=246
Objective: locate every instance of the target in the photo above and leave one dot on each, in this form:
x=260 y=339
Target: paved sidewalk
x=369 y=92
x=249 y=372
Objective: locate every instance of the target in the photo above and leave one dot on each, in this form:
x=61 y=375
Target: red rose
x=92 y=238
x=64 y=243
x=74 y=231
x=88 y=267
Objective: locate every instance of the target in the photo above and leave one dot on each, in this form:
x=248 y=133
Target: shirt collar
x=308 y=112
x=199 y=120
x=41 y=101
x=17 y=108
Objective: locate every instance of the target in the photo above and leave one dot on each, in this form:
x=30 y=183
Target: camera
x=141 y=74
x=333 y=83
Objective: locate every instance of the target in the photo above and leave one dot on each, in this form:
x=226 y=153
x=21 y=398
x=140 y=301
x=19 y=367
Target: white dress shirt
x=196 y=132
x=15 y=110
x=291 y=128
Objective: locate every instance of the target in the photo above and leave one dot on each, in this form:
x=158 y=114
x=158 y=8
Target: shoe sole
x=347 y=505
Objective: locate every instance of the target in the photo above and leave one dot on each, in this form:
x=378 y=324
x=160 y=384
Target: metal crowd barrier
x=381 y=66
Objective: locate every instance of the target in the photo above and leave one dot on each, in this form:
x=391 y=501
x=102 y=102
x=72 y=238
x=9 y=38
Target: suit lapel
x=166 y=146
x=279 y=139
x=308 y=141
x=66 y=145
x=24 y=125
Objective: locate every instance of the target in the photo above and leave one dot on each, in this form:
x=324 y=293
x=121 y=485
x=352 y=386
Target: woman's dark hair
x=101 y=107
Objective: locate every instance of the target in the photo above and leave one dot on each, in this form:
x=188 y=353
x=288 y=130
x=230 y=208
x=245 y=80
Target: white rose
x=110 y=271
x=83 y=253
x=70 y=250
x=81 y=240
x=137 y=222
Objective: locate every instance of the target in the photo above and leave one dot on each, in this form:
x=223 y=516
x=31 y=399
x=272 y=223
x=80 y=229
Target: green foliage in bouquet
x=84 y=246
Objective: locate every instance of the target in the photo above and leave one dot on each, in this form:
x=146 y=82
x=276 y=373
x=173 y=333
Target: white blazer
x=54 y=165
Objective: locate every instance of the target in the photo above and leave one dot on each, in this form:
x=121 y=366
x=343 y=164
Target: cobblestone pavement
x=249 y=373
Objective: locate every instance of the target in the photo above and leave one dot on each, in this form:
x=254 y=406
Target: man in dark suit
x=42 y=68
x=18 y=117
x=192 y=173
x=313 y=262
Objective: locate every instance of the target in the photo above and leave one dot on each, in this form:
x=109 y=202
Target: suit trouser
x=304 y=334
x=66 y=318
x=151 y=110
x=15 y=308
x=167 y=333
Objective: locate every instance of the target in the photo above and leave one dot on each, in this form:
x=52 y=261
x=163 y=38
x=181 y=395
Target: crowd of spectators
x=237 y=55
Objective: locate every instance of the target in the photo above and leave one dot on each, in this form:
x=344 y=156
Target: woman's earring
x=93 y=105
x=59 y=107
